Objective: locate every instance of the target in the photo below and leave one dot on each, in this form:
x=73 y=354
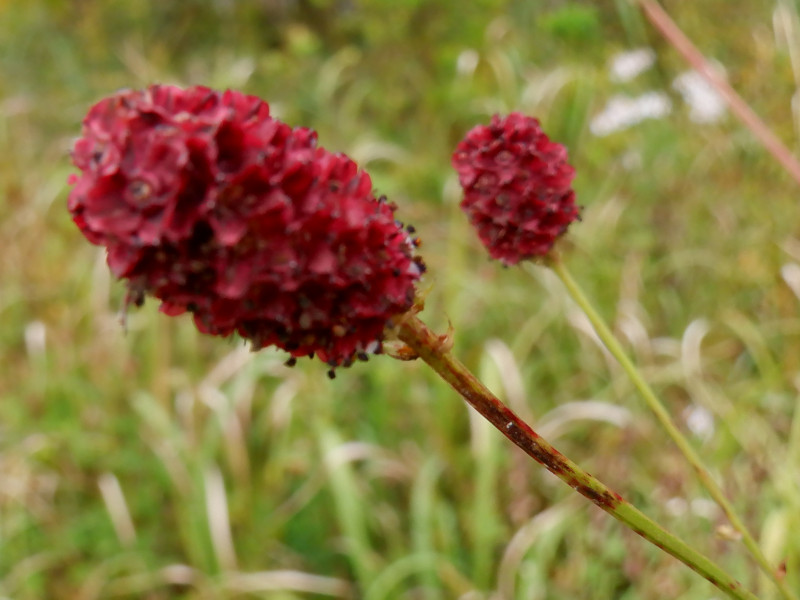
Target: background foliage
x=156 y=463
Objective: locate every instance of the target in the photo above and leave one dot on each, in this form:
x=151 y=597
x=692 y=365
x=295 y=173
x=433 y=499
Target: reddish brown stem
x=740 y=108
x=435 y=351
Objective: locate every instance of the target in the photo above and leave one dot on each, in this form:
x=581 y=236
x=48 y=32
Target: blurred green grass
x=156 y=463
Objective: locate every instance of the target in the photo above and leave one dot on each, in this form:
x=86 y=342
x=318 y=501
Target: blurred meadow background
x=156 y=463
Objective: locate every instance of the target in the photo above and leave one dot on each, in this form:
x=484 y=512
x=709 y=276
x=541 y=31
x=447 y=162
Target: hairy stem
x=435 y=351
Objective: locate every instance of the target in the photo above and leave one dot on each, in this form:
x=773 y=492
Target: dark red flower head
x=207 y=203
x=517 y=187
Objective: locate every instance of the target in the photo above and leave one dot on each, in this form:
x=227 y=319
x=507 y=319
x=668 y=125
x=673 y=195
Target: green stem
x=655 y=405
x=435 y=351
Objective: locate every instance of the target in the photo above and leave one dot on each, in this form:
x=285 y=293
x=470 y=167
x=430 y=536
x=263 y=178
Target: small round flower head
x=206 y=202
x=517 y=187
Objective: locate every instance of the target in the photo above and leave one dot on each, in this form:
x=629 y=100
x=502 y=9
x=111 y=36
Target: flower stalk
x=657 y=408
x=435 y=351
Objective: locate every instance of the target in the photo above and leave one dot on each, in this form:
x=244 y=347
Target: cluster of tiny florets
x=206 y=202
x=517 y=187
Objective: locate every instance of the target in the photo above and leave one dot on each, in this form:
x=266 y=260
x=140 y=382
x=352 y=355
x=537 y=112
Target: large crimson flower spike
x=206 y=202
x=517 y=187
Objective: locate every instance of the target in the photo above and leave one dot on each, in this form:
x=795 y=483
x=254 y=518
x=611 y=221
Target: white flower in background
x=35 y=338
x=622 y=112
x=699 y=420
x=467 y=62
x=627 y=65
x=705 y=104
x=702 y=507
